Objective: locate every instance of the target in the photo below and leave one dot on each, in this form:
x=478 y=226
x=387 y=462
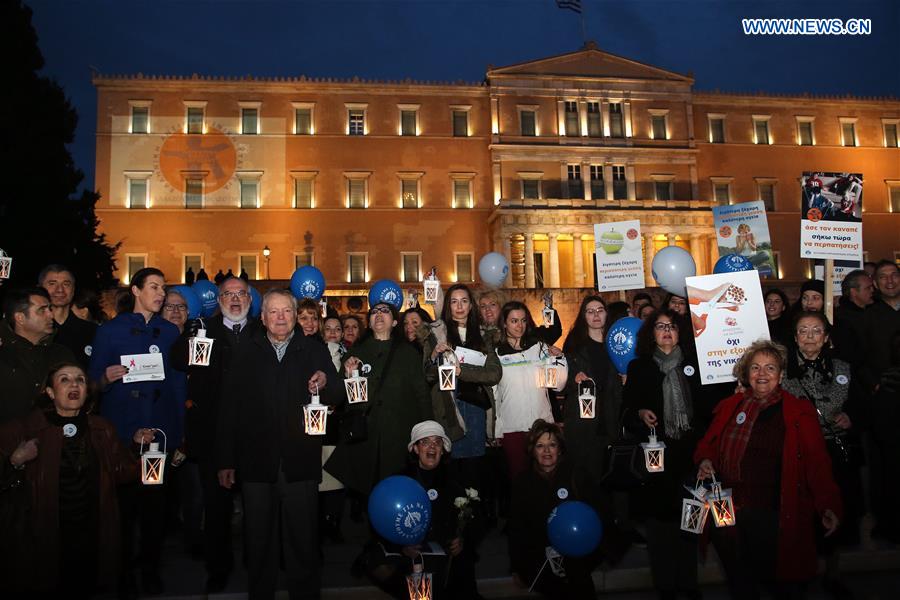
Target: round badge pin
x=88 y=350
x=69 y=430
x=154 y=349
x=562 y=493
x=688 y=370
x=432 y=494
x=841 y=379
x=366 y=368
x=742 y=416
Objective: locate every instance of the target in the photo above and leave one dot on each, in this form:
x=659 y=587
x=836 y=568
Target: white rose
x=472 y=493
x=460 y=502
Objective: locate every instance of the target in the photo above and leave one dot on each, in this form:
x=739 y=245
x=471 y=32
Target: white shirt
x=519 y=400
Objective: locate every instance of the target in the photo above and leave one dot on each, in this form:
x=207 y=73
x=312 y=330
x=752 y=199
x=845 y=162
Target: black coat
x=261 y=415
x=77 y=335
x=204 y=388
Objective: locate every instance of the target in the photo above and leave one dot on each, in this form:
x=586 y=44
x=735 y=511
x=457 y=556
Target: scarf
x=736 y=435
x=281 y=347
x=677 y=409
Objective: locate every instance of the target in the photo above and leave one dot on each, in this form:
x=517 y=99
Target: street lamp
x=266 y=253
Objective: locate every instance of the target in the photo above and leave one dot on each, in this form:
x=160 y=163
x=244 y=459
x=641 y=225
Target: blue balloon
x=308 y=282
x=386 y=291
x=574 y=529
x=621 y=342
x=493 y=269
x=255 y=302
x=190 y=297
x=400 y=511
x=208 y=293
x=670 y=266
x=732 y=263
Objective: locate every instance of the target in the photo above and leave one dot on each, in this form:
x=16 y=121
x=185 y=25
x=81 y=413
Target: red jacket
x=807 y=485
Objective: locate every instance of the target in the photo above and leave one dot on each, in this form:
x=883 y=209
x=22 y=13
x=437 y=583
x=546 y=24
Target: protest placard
x=831 y=215
x=742 y=229
x=620 y=261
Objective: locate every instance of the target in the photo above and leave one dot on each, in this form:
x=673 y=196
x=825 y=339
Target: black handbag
x=625 y=466
x=473 y=393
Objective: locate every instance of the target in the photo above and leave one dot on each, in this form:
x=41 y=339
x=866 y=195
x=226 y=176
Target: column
x=529 y=261
x=713 y=250
x=554 y=260
x=578 y=259
x=626 y=116
x=629 y=178
x=560 y=118
x=497 y=181
x=608 y=182
x=604 y=117
x=495 y=116
x=586 y=179
x=506 y=245
x=564 y=179
x=698 y=252
x=671 y=238
x=582 y=118
x=649 y=253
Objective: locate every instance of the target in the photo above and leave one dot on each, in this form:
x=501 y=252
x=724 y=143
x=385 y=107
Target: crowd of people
x=803 y=438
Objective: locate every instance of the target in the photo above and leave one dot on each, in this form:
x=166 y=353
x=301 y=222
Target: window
x=249 y=193
x=598 y=187
x=531 y=189
x=616 y=120
x=761 y=129
x=716 y=129
x=193 y=193
x=195 y=119
x=409 y=193
x=357 y=191
x=659 y=129
x=766 y=192
x=462 y=193
x=356 y=119
x=528 y=122
x=620 y=185
x=410 y=266
x=303 y=118
x=662 y=190
x=140 y=119
x=134 y=263
x=357 y=267
x=194 y=262
x=576 y=187
x=460 y=122
x=303 y=192
x=721 y=193
x=248 y=263
x=138 y=192
x=595 y=122
x=890 y=132
x=464 y=270
x=249 y=121
x=894 y=196
x=848 y=132
x=571 y=118
x=805 y=136
x=408 y=118
x=303 y=259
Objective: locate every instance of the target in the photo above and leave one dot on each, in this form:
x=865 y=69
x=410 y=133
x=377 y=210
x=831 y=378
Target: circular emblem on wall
x=211 y=154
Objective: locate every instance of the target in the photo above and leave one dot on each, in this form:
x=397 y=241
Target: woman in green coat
x=375 y=434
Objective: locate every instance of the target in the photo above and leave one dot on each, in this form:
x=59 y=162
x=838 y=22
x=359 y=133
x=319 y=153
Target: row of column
x=703 y=247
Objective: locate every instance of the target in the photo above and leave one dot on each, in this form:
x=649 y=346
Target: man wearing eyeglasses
x=229 y=329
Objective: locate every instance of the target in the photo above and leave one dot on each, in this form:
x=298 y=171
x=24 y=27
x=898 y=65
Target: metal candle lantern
x=419 y=582
x=315 y=416
x=722 y=505
x=5 y=265
x=587 y=399
x=447 y=377
x=549 y=373
x=323 y=304
x=547 y=314
x=432 y=286
x=654 y=453
x=694 y=511
x=153 y=462
x=199 y=349
x=357 y=388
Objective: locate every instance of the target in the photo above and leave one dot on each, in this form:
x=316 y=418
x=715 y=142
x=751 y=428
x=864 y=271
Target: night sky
x=455 y=40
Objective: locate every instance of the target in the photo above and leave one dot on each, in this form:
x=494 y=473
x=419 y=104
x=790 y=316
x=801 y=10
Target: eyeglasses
x=380 y=309
x=665 y=327
x=174 y=307
x=807 y=331
x=431 y=442
x=594 y=311
x=240 y=294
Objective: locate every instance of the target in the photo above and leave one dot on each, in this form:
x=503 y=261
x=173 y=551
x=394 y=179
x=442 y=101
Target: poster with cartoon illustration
x=620 y=259
x=742 y=229
x=831 y=215
x=727 y=314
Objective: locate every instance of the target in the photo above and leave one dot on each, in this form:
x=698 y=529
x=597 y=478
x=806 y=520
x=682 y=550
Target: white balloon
x=493 y=269
x=670 y=266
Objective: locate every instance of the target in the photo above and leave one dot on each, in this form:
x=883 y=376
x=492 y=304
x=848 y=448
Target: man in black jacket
x=75 y=334
x=229 y=330
x=262 y=443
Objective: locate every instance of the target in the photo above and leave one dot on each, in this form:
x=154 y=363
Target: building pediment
x=589 y=62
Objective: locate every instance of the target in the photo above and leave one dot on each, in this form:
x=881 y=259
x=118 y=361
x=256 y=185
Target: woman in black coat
x=662 y=391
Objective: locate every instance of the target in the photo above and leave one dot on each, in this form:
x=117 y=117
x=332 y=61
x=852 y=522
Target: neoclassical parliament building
x=385 y=179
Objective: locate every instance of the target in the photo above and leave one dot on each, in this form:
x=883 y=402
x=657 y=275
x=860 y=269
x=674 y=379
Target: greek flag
x=574 y=5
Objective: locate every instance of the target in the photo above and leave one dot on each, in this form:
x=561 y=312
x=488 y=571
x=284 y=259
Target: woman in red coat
x=768 y=447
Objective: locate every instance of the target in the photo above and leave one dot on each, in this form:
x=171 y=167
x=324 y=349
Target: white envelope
x=470 y=357
x=143 y=367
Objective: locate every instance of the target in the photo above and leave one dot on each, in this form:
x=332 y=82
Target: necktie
x=237 y=331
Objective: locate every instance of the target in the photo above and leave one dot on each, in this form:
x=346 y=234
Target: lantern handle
x=593 y=383
x=418 y=566
x=165 y=440
x=652 y=431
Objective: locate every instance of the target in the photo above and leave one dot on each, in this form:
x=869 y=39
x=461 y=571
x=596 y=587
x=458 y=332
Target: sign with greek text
x=831 y=216
x=727 y=314
x=742 y=229
x=620 y=261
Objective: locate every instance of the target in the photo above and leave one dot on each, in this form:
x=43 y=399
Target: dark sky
x=456 y=39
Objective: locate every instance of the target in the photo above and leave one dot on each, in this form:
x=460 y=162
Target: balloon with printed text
x=386 y=291
x=308 y=282
x=208 y=294
x=400 y=511
x=621 y=342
